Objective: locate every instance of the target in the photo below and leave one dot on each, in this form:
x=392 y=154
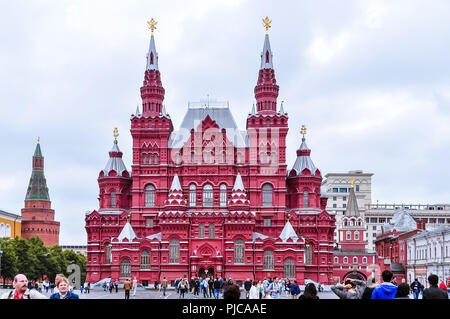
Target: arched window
x=356 y=235
x=239 y=251
x=113 y=199
x=108 y=253
x=345 y=260
x=155 y=159
x=223 y=195
x=212 y=231
x=207 y=195
x=336 y=260
x=174 y=251
x=192 y=195
x=348 y=235
x=8 y=230
x=309 y=254
x=274 y=158
x=239 y=158
x=267 y=195
x=125 y=268
x=145 y=259
x=305 y=199
x=2 y=230
x=364 y=260
x=355 y=260
x=268 y=260
x=149 y=196
x=289 y=268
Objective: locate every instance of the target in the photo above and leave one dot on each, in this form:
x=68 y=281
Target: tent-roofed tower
x=38 y=219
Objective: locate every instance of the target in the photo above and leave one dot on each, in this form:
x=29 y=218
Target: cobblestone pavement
x=153 y=294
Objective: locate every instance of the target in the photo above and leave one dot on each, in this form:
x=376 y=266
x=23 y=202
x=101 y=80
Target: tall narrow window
x=125 y=268
x=107 y=253
x=192 y=195
x=223 y=195
x=113 y=199
x=201 y=231
x=239 y=251
x=289 y=268
x=267 y=195
x=268 y=260
x=149 y=196
x=145 y=259
x=207 y=195
x=174 y=251
x=305 y=199
x=309 y=254
x=212 y=231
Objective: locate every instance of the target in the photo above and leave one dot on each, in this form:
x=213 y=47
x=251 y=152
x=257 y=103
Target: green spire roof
x=37 y=151
x=37 y=187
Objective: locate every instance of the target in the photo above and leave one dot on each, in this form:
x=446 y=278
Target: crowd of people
x=269 y=288
x=390 y=289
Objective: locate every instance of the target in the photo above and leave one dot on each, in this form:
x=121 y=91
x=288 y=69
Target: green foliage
x=34 y=260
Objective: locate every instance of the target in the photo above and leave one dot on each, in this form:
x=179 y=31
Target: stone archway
x=201 y=273
x=355 y=275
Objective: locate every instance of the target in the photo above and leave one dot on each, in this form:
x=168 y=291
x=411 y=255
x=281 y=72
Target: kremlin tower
x=38 y=219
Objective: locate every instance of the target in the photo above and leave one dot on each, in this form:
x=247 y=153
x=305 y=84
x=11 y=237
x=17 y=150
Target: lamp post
x=1 y=252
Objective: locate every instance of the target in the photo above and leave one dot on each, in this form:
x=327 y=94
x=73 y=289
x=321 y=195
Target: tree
x=9 y=259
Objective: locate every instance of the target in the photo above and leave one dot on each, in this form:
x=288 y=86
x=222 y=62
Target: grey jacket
x=344 y=294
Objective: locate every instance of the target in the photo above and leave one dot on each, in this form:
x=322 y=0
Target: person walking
x=196 y=288
x=349 y=290
x=127 y=287
x=253 y=292
x=21 y=290
x=111 y=286
x=275 y=288
x=205 y=287
x=434 y=292
x=182 y=287
x=116 y=285
x=295 y=289
x=385 y=290
x=247 y=286
x=415 y=288
x=164 y=286
x=216 y=285
x=135 y=283
x=63 y=290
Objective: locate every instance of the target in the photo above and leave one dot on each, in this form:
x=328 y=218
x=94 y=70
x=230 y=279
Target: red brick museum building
x=209 y=197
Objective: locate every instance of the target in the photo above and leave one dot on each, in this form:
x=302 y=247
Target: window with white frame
x=192 y=195
x=207 y=195
x=223 y=195
x=239 y=251
x=149 y=196
x=268 y=260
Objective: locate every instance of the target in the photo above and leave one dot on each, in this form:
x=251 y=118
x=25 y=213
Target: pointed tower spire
x=352 y=203
x=37 y=188
x=266 y=90
x=137 y=110
x=303 y=157
x=115 y=162
x=152 y=92
x=282 y=109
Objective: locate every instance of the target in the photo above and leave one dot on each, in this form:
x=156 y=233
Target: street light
x=1 y=252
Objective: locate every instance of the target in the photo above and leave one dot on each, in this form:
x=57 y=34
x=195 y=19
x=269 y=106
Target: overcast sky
x=369 y=79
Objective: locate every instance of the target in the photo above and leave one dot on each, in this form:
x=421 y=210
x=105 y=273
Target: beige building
x=338 y=187
x=78 y=249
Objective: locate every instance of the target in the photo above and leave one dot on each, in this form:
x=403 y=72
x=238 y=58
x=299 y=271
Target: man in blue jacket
x=386 y=290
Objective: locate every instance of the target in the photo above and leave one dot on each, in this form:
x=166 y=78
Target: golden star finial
x=152 y=24
x=303 y=131
x=267 y=23
x=38 y=140
x=115 y=133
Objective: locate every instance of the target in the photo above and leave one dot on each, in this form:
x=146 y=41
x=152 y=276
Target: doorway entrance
x=202 y=273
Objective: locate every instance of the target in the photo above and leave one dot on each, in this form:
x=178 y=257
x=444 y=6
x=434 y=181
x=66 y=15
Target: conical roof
x=37 y=187
x=352 y=205
x=304 y=160
x=152 y=55
x=115 y=161
x=288 y=232
x=266 y=55
x=127 y=232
